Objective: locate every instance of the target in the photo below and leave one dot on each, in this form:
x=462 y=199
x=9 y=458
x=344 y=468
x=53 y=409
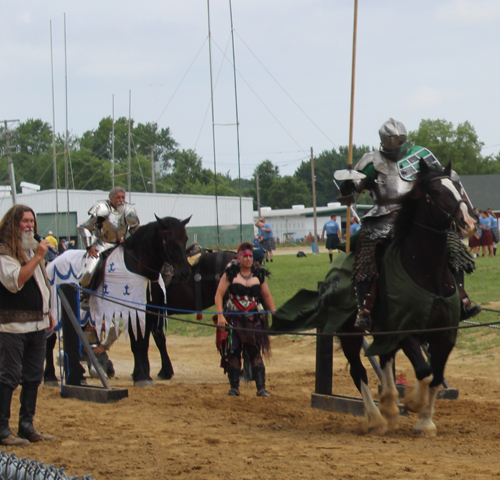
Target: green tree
x=459 y=145
x=325 y=165
x=34 y=161
x=287 y=191
x=267 y=172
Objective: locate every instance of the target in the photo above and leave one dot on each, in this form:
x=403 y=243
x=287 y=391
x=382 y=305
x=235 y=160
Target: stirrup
x=363 y=322
x=472 y=310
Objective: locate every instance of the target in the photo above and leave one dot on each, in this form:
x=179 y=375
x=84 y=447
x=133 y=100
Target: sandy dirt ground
x=188 y=428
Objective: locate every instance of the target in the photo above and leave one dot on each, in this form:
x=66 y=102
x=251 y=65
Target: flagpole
x=351 y=124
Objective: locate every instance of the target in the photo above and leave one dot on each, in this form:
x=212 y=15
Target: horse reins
x=450 y=216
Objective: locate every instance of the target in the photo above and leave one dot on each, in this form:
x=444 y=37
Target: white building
x=291 y=224
x=73 y=206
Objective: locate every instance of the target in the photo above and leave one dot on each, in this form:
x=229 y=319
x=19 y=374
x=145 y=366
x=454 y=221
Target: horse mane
x=144 y=242
x=408 y=202
x=147 y=240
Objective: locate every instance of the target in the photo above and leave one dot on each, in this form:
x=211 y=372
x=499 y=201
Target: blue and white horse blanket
x=122 y=294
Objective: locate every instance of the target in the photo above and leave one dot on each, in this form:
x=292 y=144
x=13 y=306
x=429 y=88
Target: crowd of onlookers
x=59 y=247
x=487 y=236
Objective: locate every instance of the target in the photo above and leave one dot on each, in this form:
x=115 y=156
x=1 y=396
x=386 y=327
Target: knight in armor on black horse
x=109 y=222
x=388 y=174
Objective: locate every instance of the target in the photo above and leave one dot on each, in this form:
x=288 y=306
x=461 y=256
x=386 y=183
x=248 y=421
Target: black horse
x=151 y=250
x=416 y=291
x=197 y=294
x=183 y=297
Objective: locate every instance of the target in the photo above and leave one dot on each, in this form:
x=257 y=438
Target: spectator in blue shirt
x=486 y=237
x=333 y=235
x=267 y=236
x=494 y=230
x=355 y=226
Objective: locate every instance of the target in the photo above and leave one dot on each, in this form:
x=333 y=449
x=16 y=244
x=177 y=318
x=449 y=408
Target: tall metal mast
x=237 y=120
x=66 y=150
x=213 y=122
x=54 y=154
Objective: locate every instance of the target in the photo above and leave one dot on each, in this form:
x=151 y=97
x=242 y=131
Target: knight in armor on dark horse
x=109 y=222
x=388 y=175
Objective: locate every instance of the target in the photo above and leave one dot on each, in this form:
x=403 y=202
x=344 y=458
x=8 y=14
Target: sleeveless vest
x=23 y=306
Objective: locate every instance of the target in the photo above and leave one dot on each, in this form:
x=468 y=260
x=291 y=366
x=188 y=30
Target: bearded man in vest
x=24 y=320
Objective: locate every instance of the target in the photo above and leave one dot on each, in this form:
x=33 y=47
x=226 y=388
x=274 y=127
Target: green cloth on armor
x=328 y=309
x=352 y=245
x=370 y=172
x=403 y=305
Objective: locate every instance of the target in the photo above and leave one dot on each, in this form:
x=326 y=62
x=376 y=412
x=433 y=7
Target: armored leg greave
x=365 y=295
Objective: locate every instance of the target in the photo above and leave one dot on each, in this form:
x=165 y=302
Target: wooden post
x=324 y=364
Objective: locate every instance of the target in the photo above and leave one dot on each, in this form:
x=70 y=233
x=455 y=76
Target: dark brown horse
x=195 y=295
x=416 y=294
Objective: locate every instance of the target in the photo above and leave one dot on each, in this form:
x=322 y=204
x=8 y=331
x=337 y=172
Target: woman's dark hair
x=245 y=246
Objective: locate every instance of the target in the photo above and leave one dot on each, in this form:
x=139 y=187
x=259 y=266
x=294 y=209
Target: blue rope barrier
x=128 y=302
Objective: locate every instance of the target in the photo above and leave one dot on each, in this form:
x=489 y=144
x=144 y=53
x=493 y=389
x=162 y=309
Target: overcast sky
x=416 y=59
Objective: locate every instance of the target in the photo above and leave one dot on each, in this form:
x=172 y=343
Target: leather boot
x=233 y=374
x=6 y=436
x=259 y=375
x=26 y=413
x=365 y=295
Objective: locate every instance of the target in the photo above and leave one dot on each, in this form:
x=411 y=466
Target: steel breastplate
x=113 y=228
x=389 y=185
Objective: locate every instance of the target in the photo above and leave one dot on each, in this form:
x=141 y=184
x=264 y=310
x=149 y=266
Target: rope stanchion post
x=71 y=324
x=77 y=328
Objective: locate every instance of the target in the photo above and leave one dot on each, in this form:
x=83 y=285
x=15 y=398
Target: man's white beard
x=120 y=208
x=27 y=240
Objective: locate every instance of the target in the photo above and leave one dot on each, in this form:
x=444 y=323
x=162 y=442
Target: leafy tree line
x=181 y=171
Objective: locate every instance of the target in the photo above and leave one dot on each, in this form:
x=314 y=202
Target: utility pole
x=129 y=178
x=8 y=151
x=153 y=173
x=113 y=145
x=258 y=191
x=313 y=178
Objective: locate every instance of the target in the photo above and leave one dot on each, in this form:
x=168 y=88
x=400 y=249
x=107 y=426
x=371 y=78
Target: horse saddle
x=194 y=254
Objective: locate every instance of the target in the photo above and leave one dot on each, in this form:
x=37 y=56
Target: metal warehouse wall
x=201 y=207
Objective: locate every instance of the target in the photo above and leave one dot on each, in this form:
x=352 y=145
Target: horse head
x=446 y=205
x=174 y=239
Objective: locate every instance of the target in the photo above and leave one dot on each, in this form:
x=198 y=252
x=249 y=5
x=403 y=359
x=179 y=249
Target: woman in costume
x=248 y=295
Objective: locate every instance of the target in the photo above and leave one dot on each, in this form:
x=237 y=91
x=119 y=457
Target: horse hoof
x=144 y=383
x=379 y=430
x=426 y=428
x=164 y=376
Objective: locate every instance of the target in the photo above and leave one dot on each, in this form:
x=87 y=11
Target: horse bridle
x=166 y=269
x=450 y=216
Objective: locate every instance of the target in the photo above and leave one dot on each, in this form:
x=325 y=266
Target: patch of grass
x=290 y=273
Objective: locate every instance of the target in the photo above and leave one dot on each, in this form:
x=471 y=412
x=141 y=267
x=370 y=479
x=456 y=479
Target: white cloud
x=423 y=98
x=469 y=12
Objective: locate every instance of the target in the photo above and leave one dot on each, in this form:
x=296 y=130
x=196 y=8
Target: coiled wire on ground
x=13 y=468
